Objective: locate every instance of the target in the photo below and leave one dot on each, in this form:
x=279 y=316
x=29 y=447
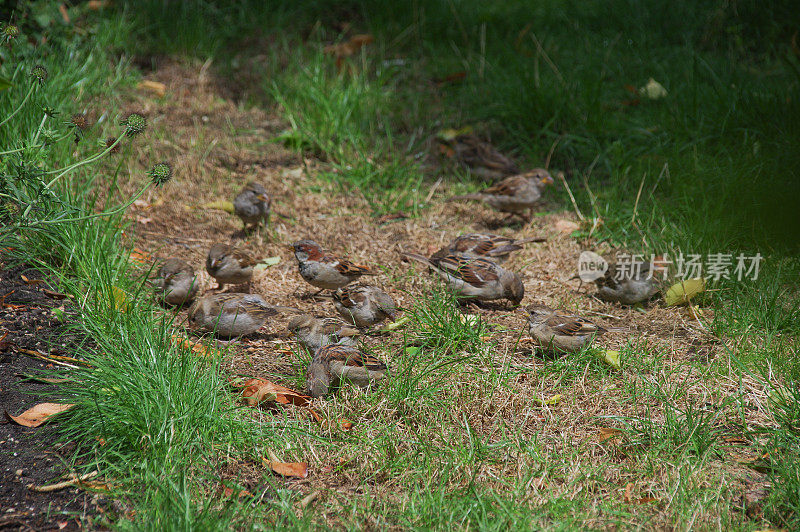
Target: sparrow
x=514 y=195
x=475 y=278
x=476 y=245
x=176 y=282
x=228 y=265
x=634 y=286
x=364 y=305
x=335 y=363
x=325 y=271
x=560 y=332
x=316 y=332
x=252 y=205
x=231 y=314
x=481 y=158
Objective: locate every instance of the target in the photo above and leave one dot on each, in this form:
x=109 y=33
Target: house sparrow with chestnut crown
x=335 y=363
x=251 y=205
x=317 y=332
x=228 y=265
x=560 y=332
x=634 y=286
x=231 y=314
x=476 y=245
x=364 y=305
x=481 y=158
x=515 y=195
x=473 y=278
x=176 y=282
x=324 y=271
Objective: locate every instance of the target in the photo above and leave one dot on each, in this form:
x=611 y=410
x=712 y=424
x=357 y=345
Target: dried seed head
x=39 y=73
x=80 y=121
x=135 y=123
x=49 y=111
x=109 y=142
x=160 y=173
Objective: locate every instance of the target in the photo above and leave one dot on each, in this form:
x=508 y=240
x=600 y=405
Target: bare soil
x=30 y=456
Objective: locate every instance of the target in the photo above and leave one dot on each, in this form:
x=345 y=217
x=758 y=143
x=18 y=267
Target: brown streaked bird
x=480 y=158
x=317 y=332
x=559 y=332
x=252 y=205
x=228 y=265
x=176 y=282
x=490 y=246
x=516 y=195
x=325 y=271
x=473 y=278
x=632 y=287
x=364 y=305
x=336 y=363
x=231 y=314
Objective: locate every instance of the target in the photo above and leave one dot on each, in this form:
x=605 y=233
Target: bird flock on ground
x=470 y=265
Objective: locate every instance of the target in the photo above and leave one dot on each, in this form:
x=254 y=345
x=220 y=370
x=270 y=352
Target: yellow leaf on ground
x=653 y=90
x=156 y=87
x=220 y=205
x=682 y=292
x=610 y=357
x=121 y=301
x=33 y=417
x=550 y=401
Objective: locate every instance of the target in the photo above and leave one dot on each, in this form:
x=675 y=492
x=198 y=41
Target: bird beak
x=213 y=263
x=290 y=247
x=547 y=180
x=261 y=197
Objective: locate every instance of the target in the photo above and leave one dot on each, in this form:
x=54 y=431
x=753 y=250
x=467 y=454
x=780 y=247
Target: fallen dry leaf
x=64 y=15
x=140 y=256
x=156 y=87
x=566 y=226
x=346 y=425
x=31 y=281
x=195 y=347
x=350 y=47
x=607 y=433
x=257 y=391
x=36 y=416
x=96 y=4
x=287 y=469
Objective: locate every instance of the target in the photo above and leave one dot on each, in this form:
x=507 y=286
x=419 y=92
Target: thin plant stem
x=24 y=100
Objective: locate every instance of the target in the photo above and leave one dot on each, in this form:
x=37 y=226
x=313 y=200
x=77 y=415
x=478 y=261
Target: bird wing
x=573 y=325
x=476 y=272
x=509 y=186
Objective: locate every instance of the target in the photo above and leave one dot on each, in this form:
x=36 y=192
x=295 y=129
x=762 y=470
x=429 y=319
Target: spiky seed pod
x=160 y=173
x=109 y=142
x=39 y=73
x=80 y=121
x=135 y=123
x=10 y=31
